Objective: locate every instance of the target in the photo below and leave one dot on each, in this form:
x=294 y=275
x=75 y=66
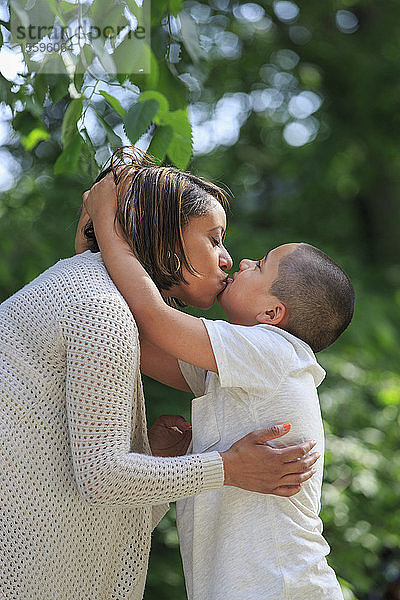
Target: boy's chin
x=224 y=307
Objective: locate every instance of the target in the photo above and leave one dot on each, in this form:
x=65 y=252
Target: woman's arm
x=174 y=332
x=106 y=419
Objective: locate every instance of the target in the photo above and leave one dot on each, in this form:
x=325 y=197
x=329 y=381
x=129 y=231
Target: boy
x=255 y=370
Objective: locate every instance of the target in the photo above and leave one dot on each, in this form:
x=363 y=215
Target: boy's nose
x=246 y=263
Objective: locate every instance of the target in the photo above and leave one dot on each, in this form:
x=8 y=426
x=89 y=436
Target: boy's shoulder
x=267 y=347
x=270 y=337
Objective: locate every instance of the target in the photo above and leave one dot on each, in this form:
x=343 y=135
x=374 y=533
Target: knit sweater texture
x=80 y=491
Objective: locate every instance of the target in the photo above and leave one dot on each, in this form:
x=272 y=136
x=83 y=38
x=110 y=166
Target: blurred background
x=294 y=108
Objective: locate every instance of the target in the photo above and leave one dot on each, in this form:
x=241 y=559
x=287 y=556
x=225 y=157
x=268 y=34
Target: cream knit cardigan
x=79 y=490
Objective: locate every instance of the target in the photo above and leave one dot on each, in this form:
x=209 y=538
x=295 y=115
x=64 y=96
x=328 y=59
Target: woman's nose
x=225 y=260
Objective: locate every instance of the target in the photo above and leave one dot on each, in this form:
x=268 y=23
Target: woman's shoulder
x=85 y=277
x=71 y=281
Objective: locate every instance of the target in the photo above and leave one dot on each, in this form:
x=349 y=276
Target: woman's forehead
x=216 y=213
x=213 y=219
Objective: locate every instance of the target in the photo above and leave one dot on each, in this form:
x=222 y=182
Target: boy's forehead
x=282 y=250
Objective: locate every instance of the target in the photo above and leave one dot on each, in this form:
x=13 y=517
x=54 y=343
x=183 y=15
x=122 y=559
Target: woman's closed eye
x=215 y=241
x=258 y=264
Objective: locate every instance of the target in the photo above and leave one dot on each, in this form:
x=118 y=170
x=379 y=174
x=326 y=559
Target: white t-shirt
x=245 y=545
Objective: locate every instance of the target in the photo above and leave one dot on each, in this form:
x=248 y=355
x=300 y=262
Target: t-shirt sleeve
x=252 y=357
x=195 y=377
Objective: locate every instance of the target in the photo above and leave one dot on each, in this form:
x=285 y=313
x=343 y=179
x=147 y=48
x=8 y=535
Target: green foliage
x=114 y=103
x=245 y=67
x=139 y=118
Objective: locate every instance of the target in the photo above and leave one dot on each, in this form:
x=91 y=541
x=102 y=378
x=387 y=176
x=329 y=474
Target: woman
x=80 y=489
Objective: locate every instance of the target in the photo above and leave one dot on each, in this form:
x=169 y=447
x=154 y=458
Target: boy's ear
x=272 y=316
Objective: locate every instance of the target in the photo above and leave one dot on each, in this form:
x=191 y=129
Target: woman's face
x=203 y=237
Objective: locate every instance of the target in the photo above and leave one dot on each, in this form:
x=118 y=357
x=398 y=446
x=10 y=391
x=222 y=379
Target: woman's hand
x=170 y=436
x=251 y=464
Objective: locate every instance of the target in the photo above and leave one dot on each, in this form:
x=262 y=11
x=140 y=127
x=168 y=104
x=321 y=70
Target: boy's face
x=247 y=295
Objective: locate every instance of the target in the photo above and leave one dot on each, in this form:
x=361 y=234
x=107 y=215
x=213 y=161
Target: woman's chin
x=206 y=305
x=203 y=303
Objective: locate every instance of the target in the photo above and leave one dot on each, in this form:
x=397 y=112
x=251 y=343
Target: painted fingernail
x=187 y=424
x=286 y=426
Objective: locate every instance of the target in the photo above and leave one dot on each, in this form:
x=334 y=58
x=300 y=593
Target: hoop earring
x=176 y=260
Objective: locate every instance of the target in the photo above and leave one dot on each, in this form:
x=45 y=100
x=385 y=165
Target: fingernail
x=286 y=426
x=187 y=424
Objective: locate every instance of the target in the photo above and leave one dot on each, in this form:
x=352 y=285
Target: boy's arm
x=176 y=333
x=161 y=366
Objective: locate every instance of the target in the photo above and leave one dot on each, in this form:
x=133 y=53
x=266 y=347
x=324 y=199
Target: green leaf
x=55 y=7
x=160 y=142
x=139 y=118
x=132 y=56
x=154 y=95
x=158 y=10
x=79 y=75
x=36 y=135
x=114 y=139
x=180 y=147
x=24 y=122
x=174 y=89
x=106 y=60
x=100 y=9
x=83 y=62
x=65 y=8
x=114 y=103
x=40 y=14
x=149 y=80
x=67 y=162
x=40 y=87
x=88 y=155
x=58 y=84
x=5 y=90
x=175 y=6
x=71 y=117
x=137 y=11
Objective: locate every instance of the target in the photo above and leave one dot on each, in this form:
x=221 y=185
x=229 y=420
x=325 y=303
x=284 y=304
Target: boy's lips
x=226 y=282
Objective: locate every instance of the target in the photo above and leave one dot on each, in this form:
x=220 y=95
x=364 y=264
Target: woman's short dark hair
x=154 y=205
x=318 y=294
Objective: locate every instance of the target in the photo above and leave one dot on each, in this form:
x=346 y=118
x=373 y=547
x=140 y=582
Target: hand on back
x=253 y=465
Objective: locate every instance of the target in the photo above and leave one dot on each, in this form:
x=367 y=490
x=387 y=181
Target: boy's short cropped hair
x=318 y=295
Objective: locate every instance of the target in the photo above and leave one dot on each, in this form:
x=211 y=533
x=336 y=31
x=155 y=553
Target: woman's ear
x=272 y=316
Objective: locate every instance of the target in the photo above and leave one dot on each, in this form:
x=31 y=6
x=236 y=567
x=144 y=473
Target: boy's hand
x=101 y=198
x=81 y=243
x=170 y=436
x=251 y=464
